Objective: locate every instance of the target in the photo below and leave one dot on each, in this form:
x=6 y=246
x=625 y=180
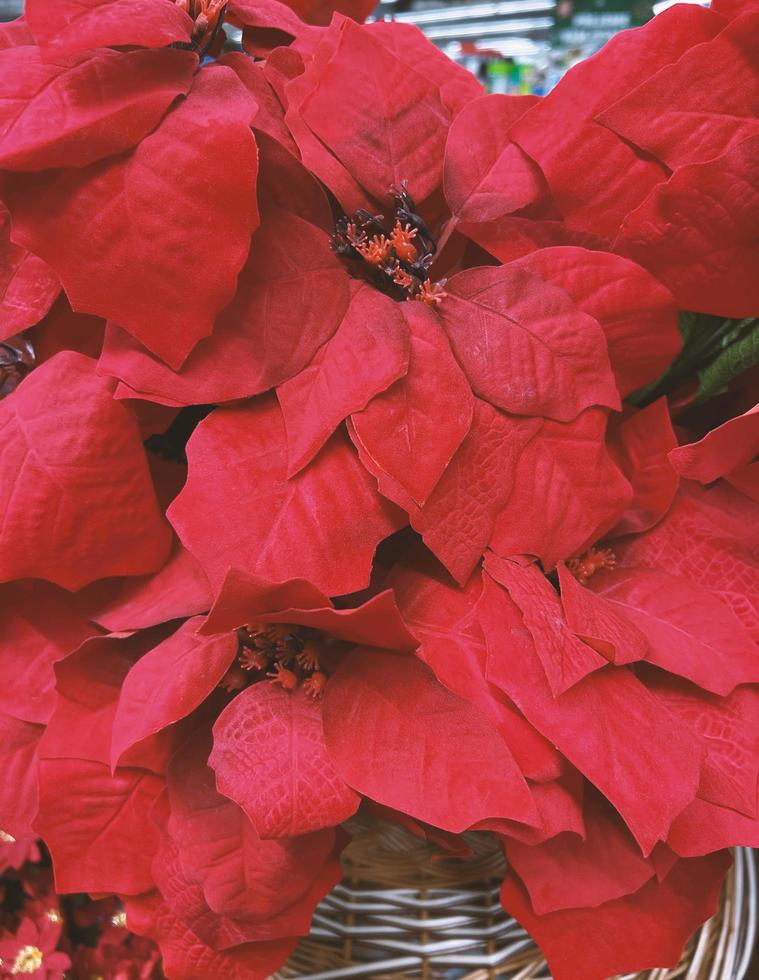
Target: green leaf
x=740 y=353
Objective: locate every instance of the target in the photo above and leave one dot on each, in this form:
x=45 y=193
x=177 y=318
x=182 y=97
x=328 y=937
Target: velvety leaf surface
x=76 y=25
x=729 y=730
x=565 y=658
x=291 y=788
x=407 y=137
x=245 y=598
x=121 y=234
x=322 y=525
x=102 y=103
x=369 y=351
x=524 y=346
x=690 y=632
x=487 y=176
x=599 y=623
x=291 y=296
x=101 y=837
x=568 y=872
x=706 y=538
x=28 y=286
x=640 y=445
x=697 y=233
x=39 y=626
x=560 y=807
x=650 y=778
x=704 y=827
x=412 y=430
x=444 y=619
x=241 y=875
x=730 y=445
x=459 y=515
x=567 y=490
x=706 y=111
x=399 y=737
x=18 y=757
x=177 y=590
x=637 y=314
x=595 y=177
x=169 y=682
x=65 y=439
x=186 y=955
x=646 y=930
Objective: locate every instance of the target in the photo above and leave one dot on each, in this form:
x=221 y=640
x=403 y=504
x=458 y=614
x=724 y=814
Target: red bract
x=84 y=450
x=288 y=345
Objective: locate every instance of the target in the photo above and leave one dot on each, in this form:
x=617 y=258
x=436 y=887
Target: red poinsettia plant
x=355 y=455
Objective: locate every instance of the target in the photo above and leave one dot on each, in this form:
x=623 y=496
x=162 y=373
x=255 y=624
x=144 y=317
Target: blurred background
x=513 y=46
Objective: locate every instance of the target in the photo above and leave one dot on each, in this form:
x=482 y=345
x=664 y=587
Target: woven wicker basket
x=406 y=910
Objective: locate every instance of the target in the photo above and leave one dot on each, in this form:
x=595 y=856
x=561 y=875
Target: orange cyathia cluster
x=591 y=562
x=290 y=656
x=396 y=260
x=207 y=15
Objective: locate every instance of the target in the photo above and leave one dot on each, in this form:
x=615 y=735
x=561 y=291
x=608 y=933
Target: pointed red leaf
x=322 y=525
x=102 y=103
x=39 y=626
x=599 y=623
x=270 y=757
x=706 y=110
x=637 y=314
x=640 y=445
x=98 y=226
x=565 y=658
x=241 y=875
x=697 y=233
x=559 y=805
x=524 y=345
x=595 y=177
x=291 y=296
x=405 y=137
x=76 y=25
x=28 y=286
x=459 y=515
x=444 y=619
x=66 y=440
x=690 y=632
x=487 y=176
x=169 y=682
x=18 y=757
x=106 y=845
x=647 y=930
x=729 y=729
x=567 y=492
x=704 y=827
x=733 y=444
x=412 y=430
x=400 y=738
x=369 y=351
x=184 y=955
x=569 y=873
x=177 y=590
x=245 y=598
x=648 y=778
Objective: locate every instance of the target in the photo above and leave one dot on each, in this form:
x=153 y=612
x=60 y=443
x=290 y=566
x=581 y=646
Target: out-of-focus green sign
x=589 y=24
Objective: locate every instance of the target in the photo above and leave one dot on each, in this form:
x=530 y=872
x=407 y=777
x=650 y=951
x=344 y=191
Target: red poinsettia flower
x=31 y=951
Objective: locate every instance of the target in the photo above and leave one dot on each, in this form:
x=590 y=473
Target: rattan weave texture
x=407 y=910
